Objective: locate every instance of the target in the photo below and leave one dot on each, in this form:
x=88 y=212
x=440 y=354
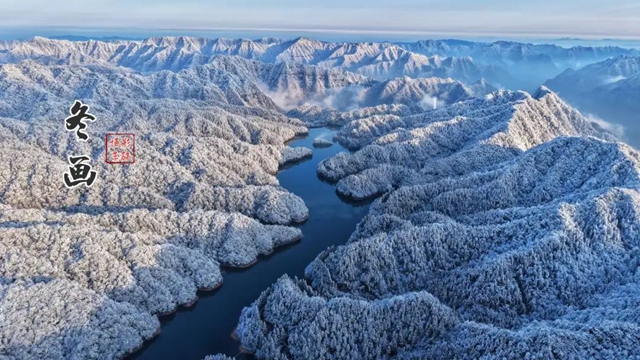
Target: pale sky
x=587 y=18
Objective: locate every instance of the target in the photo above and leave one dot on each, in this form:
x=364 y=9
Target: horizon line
x=113 y=30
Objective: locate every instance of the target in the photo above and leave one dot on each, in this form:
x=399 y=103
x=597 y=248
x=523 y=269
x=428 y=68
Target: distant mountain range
x=506 y=224
x=504 y=64
x=609 y=89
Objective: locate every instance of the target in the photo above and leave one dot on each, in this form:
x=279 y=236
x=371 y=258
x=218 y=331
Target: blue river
x=205 y=328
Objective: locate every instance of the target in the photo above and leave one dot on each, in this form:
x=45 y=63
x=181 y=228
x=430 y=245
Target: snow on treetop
x=508 y=227
x=506 y=223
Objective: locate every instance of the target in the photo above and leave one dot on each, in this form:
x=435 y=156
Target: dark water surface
x=205 y=328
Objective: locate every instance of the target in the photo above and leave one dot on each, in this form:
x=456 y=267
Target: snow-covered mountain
x=85 y=270
x=610 y=90
x=509 y=228
x=503 y=51
x=508 y=64
x=595 y=75
x=504 y=64
x=231 y=80
x=506 y=221
x=396 y=96
x=534 y=63
x=377 y=60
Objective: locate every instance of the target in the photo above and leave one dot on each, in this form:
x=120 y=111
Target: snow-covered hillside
x=83 y=271
x=508 y=64
x=506 y=221
x=509 y=228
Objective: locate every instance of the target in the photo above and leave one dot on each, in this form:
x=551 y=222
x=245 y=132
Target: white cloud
x=285 y=100
x=428 y=101
x=344 y=99
x=616 y=129
x=613 y=79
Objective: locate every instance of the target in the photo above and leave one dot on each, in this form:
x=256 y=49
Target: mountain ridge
x=503 y=222
x=608 y=90
x=520 y=245
x=383 y=60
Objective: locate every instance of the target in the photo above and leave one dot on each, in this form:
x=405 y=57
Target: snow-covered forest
x=85 y=271
x=505 y=225
x=508 y=228
x=503 y=62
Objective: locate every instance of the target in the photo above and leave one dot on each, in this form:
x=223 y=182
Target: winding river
x=205 y=328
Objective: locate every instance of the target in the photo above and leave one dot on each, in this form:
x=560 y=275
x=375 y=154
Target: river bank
x=204 y=328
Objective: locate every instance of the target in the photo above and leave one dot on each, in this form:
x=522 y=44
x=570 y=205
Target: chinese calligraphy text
x=80 y=171
x=79 y=112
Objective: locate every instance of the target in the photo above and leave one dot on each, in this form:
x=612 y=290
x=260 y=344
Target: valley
x=348 y=200
x=206 y=328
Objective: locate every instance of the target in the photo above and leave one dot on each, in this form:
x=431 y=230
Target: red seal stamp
x=120 y=148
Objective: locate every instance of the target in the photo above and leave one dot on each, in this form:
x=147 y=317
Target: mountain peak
x=301 y=40
x=542 y=92
x=44 y=40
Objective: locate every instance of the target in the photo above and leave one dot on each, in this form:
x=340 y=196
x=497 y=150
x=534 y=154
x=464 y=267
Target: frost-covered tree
x=509 y=230
x=145 y=237
x=377 y=60
x=462 y=138
x=62 y=319
x=321 y=142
